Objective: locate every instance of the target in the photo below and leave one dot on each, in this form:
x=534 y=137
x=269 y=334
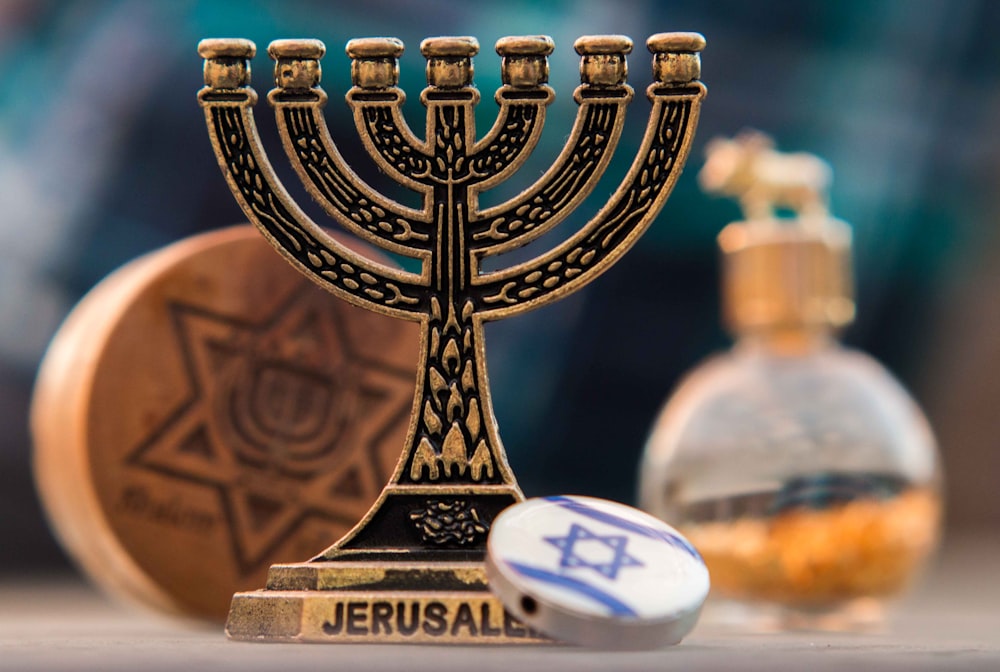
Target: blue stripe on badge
x=617 y=607
x=628 y=525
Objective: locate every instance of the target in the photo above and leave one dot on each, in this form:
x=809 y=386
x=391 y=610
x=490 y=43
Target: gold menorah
x=411 y=570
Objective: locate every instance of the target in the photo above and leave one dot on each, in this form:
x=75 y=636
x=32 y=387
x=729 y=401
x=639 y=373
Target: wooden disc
x=205 y=412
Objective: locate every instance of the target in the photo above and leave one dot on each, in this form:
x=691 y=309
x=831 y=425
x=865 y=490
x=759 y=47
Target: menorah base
x=396 y=602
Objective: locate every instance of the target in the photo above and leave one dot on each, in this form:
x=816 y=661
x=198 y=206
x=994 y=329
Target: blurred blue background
x=104 y=156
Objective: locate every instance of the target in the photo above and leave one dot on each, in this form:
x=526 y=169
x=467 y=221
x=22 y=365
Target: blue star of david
x=616 y=543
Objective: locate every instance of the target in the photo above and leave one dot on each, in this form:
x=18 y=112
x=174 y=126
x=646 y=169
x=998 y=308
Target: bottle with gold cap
x=800 y=469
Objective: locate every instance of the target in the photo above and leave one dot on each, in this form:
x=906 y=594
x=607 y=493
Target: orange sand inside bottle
x=818 y=558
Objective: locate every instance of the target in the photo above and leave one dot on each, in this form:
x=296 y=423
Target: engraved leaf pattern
x=452 y=401
x=449 y=522
x=451 y=162
x=516 y=130
x=387 y=138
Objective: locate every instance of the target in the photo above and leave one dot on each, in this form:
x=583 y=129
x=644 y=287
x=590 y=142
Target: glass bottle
x=801 y=469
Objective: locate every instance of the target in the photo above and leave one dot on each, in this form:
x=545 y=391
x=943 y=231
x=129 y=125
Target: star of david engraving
x=595 y=554
x=271 y=420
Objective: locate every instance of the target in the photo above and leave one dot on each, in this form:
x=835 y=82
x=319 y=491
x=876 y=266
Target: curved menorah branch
x=387 y=137
x=575 y=173
x=257 y=189
x=345 y=196
x=614 y=229
x=514 y=134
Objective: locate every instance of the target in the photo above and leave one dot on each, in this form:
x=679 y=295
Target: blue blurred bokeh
x=104 y=156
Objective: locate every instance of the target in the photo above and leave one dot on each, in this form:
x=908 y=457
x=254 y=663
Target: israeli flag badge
x=594 y=572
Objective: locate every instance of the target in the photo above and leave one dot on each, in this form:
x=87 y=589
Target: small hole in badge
x=528 y=605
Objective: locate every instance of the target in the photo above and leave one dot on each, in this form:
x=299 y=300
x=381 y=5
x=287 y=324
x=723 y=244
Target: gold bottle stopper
x=779 y=274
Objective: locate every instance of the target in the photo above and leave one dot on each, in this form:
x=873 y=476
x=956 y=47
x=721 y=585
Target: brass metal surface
x=780 y=274
x=205 y=412
x=452 y=478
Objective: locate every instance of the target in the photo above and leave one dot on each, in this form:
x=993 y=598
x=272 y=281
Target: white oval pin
x=597 y=573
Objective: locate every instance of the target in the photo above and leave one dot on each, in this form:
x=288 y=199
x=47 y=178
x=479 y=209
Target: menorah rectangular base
x=354 y=602
x=383 y=617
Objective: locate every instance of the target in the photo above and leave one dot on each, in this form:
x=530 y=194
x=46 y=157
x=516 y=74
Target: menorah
x=411 y=569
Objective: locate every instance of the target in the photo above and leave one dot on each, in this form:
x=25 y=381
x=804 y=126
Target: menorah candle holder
x=412 y=568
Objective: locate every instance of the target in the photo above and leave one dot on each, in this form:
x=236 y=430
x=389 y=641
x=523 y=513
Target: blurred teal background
x=104 y=156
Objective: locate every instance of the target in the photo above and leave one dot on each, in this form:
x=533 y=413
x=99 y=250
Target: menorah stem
x=450 y=272
x=454 y=441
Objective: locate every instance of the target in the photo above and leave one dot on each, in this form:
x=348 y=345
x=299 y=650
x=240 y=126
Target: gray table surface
x=950 y=622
